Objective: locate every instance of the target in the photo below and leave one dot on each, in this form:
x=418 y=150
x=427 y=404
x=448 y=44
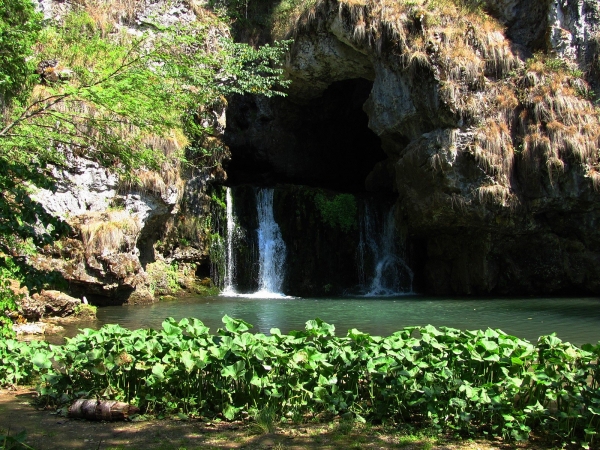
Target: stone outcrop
x=101 y=258
x=568 y=27
x=36 y=329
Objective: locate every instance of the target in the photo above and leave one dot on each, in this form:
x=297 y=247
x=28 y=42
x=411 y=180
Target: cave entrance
x=324 y=142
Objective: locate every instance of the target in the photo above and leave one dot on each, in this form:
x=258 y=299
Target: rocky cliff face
x=479 y=126
x=121 y=227
x=110 y=225
x=489 y=148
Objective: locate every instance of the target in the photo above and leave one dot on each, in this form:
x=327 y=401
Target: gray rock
x=33 y=329
x=84 y=186
x=390 y=106
x=321 y=59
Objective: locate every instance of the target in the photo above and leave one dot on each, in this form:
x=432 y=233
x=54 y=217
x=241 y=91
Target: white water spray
x=391 y=275
x=271 y=248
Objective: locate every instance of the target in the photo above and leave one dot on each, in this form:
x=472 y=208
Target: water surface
x=576 y=320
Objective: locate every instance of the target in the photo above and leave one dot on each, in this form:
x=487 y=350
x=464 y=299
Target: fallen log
x=109 y=410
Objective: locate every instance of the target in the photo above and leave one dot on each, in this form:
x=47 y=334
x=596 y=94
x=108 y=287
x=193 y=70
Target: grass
x=164 y=279
x=167 y=180
x=107 y=232
x=86 y=311
x=266 y=419
x=345 y=426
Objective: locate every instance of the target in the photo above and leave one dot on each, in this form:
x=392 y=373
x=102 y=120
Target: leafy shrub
x=466 y=382
x=163 y=278
x=339 y=211
x=19 y=27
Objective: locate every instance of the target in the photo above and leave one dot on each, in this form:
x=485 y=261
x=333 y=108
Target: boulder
x=55 y=303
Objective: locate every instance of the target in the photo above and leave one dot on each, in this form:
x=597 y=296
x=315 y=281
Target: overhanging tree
x=104 y=99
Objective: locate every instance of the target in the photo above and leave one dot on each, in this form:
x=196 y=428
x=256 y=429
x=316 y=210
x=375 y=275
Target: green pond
x=576 y=320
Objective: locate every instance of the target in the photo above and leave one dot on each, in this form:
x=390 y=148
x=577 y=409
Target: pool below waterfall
x=576 y=320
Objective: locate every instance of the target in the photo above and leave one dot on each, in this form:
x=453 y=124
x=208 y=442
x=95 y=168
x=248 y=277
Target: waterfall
x=228 y=288
x=379 y=255
x=272 y=250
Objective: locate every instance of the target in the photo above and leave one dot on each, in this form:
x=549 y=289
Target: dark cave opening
x=324 y=142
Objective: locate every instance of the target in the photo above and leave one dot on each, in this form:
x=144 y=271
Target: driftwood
x=101 y=410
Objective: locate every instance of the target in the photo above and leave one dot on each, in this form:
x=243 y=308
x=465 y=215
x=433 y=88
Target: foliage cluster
x=126 y=92
x=16 y=442
x=164 y=278
x=338 y=212
x=86 y=311
x=249 y=19
x=235 y=10
x=466 y=382
x=19 y=25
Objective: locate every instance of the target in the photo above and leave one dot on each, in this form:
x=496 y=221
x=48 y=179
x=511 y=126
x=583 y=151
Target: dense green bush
x=339 y=211
x=19 y=26
x=468 y=382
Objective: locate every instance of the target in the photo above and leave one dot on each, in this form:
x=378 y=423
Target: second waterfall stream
x=271 y=248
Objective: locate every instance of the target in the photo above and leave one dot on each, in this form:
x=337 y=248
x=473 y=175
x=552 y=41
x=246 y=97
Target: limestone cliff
x=480 y=122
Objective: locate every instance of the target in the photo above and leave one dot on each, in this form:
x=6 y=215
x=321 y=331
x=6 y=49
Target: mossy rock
x=205 y=291
x=86 y=312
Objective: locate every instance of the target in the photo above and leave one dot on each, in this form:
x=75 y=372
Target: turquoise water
x=576 y=320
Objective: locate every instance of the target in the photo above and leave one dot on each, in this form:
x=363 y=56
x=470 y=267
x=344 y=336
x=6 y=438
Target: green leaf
x=95 y=355
x=489 y=346
x=158 y=370
x=41 y=360
x=171 y=328
x=230 y=412
x=236 y=325
x=187 y=360
x=234 y=371
x=318 y=328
